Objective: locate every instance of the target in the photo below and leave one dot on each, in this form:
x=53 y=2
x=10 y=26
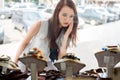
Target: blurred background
x=99 y=25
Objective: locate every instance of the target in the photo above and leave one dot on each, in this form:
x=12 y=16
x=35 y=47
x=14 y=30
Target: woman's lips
x=65 y=23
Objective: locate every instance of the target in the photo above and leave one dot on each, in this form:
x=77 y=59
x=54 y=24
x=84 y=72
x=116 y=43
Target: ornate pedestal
x=69 y=67
x=109 y=58
x=36 y=65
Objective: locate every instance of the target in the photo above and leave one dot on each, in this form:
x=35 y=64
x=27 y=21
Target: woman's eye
x=65 y=15
x=71 y=16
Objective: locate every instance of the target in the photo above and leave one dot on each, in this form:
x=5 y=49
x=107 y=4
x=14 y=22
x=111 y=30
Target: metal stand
x=69 y=73
x=109 y=59
x=100 y=57
x=34 y=75
x=36 y=65
x=69 y=68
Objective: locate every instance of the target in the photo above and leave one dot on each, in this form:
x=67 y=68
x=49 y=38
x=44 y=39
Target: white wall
x=92 y=40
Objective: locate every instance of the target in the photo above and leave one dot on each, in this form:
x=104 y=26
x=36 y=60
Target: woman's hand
x=69 y=29
x=63 y=47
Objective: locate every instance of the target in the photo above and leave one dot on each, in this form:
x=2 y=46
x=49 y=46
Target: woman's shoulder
x=44 y=21
x=41 y=23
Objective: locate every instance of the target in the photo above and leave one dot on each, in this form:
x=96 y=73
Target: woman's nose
x=67 y=19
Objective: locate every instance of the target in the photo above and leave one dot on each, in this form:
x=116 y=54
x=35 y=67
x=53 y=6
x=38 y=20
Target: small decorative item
x=10 y=70
x=34 y=61
x=70 y=56
x=35 y=52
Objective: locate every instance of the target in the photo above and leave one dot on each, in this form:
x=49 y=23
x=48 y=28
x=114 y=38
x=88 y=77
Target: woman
x=53 y=36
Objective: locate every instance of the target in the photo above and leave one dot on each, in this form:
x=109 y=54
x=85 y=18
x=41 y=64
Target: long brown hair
x=54 y=29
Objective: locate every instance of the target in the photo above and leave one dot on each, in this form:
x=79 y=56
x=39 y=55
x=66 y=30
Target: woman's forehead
x=67 y=9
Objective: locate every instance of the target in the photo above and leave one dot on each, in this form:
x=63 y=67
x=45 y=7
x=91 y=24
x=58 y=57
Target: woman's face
x=66 y=16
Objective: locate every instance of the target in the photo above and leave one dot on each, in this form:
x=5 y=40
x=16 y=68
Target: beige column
x=41 y=1
x=1 y=3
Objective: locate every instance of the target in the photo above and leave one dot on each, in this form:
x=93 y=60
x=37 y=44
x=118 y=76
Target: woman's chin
x=65 y=25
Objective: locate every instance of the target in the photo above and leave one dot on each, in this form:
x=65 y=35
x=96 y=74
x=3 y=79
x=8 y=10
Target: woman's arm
x=63 y=47
x=32 y=31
